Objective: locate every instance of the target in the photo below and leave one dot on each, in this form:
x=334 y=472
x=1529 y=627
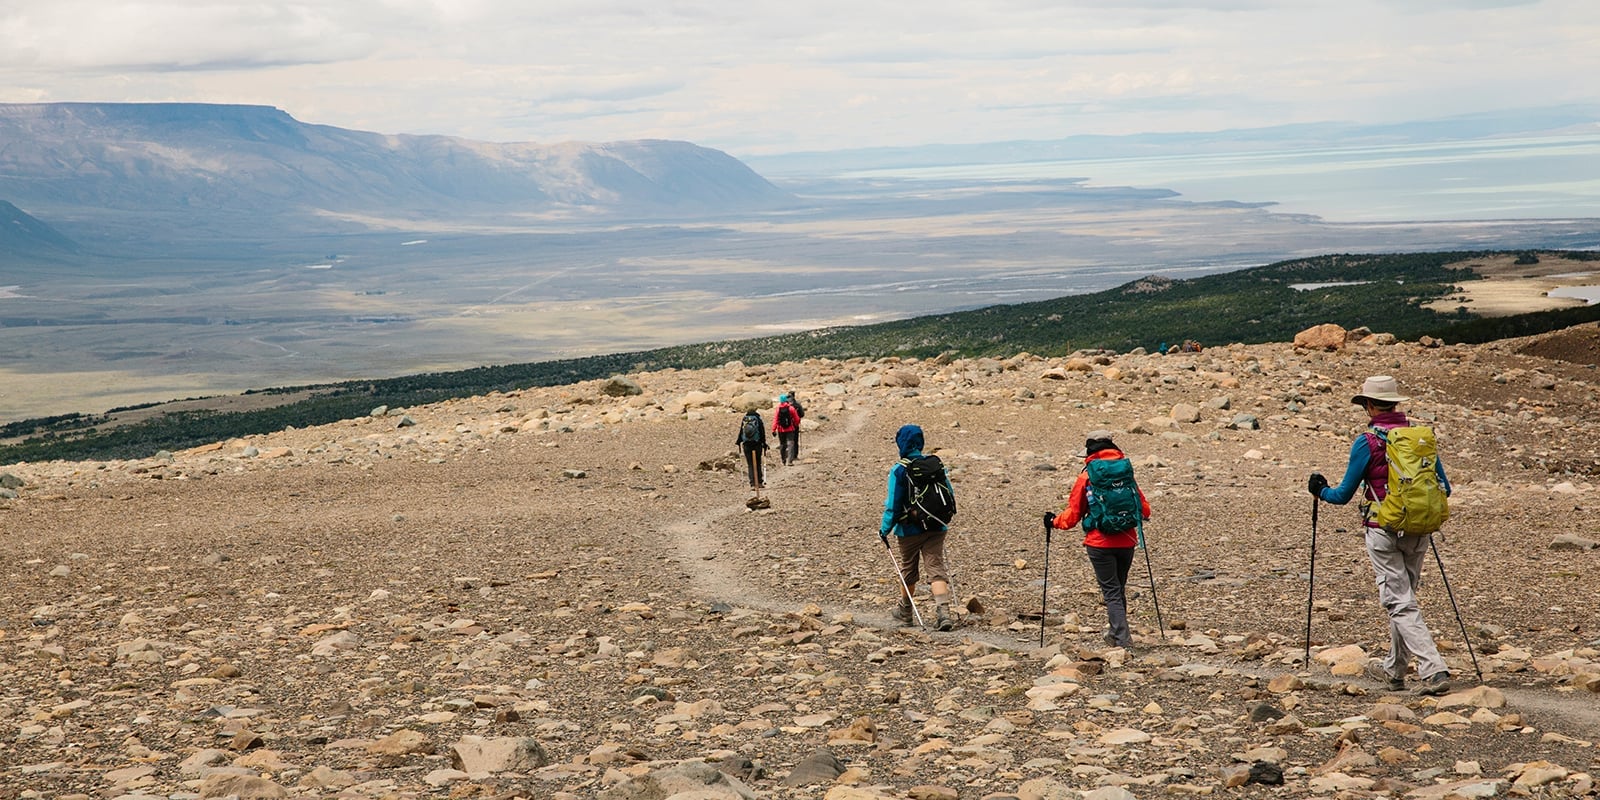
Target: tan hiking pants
x=1397 y=562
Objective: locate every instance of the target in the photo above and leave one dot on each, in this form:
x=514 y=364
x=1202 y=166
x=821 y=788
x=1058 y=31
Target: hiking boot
x=902 y=613
x=1376 y=672
x=1434 y=685
x=942 y=620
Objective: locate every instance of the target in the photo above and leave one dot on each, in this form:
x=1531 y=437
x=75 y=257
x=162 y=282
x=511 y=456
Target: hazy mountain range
x=1489 y=125
x=170 y=250
x=93 y=165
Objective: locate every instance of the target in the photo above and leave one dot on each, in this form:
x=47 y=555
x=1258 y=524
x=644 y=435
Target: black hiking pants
x=789 y=446
x=1111 y=565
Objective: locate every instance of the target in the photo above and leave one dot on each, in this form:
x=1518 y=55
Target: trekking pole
x=1312 y=582
x=903 y=585
x=1453 y=607
x=1045 y=594
x=1148 y=570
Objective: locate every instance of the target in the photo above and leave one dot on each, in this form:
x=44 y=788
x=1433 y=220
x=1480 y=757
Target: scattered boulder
x=1327 y=337
x=502 y=754
x=401 y=743
x=822 y=766
x=689 y=779
x=621 y=386
x=240 y=787
x=1476 y=697
x=1570 y=541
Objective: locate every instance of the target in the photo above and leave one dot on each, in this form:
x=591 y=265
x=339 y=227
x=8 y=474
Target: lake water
x=1590 y=295
x=1547 y=177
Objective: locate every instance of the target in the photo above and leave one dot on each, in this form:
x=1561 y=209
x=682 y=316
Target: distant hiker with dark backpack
x=1403 y=504
x=917 y=511
x=1109 y=505
x=752 y=443
x=786 y=424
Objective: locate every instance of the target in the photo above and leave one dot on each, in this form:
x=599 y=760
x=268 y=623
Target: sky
x=761 y=77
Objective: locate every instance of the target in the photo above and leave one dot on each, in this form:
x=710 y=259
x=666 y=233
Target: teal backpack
x=1113 y=497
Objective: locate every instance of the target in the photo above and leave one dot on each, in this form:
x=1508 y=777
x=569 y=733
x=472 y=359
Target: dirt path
x=698 y=548
x=721 y=580
x=712 y=577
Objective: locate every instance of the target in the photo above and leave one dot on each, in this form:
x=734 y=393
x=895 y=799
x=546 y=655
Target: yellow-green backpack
x=1414 y=503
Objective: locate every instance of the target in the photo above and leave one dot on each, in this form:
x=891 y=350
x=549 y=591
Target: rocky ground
x=562 y=593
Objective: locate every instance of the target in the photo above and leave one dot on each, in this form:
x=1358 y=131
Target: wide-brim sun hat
x=1096 y=440
x=1383 y=388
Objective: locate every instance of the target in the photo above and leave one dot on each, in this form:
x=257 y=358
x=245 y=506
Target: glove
x=1316 y=483
x=884 y=536
x=1049 y=519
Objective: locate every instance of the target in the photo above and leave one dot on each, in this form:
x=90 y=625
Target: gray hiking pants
x=1111 y=565
x=1397 y=562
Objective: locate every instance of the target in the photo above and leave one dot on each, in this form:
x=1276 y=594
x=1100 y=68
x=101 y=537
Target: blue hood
x=909 y=440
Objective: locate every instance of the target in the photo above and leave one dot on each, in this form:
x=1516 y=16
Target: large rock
x=1110 y=793
x=1476 y=697
x=501 y=754
x=821 y=766
x=698 y=399
x=1340 y=655
x=1569 y=541
x=336 y=643
x=621 y=386
x=242 y=787
x=751 y=401
x=1321 y=337
x=1045 y=789
x=901 y=377
x=690 y=779
x=400 y=743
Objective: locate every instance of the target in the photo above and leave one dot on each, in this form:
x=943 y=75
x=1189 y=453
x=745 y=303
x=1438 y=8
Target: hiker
x=752 y=442
x=1109 y=505
x=1396 y=559
x=918 y=533
x=786 y=424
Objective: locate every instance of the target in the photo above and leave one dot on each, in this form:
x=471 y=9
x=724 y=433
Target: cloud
x=768 y=75
x=175 y=35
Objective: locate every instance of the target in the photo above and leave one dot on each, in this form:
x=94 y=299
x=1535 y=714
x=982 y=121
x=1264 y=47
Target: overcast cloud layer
x=762 y=76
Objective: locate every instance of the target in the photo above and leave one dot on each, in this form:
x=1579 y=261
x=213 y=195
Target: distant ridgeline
x=1384 y=292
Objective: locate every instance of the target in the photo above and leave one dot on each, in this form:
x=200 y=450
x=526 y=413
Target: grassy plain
x=403 y=297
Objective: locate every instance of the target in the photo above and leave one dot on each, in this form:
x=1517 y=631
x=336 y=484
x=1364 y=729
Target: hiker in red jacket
x=1110 y=548
x=786 y=424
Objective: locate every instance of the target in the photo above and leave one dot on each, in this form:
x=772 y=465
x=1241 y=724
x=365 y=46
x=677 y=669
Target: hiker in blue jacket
x=918 y=539
x=1396 y=560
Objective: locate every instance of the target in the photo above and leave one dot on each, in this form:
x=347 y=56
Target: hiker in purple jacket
x=1396 y=560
